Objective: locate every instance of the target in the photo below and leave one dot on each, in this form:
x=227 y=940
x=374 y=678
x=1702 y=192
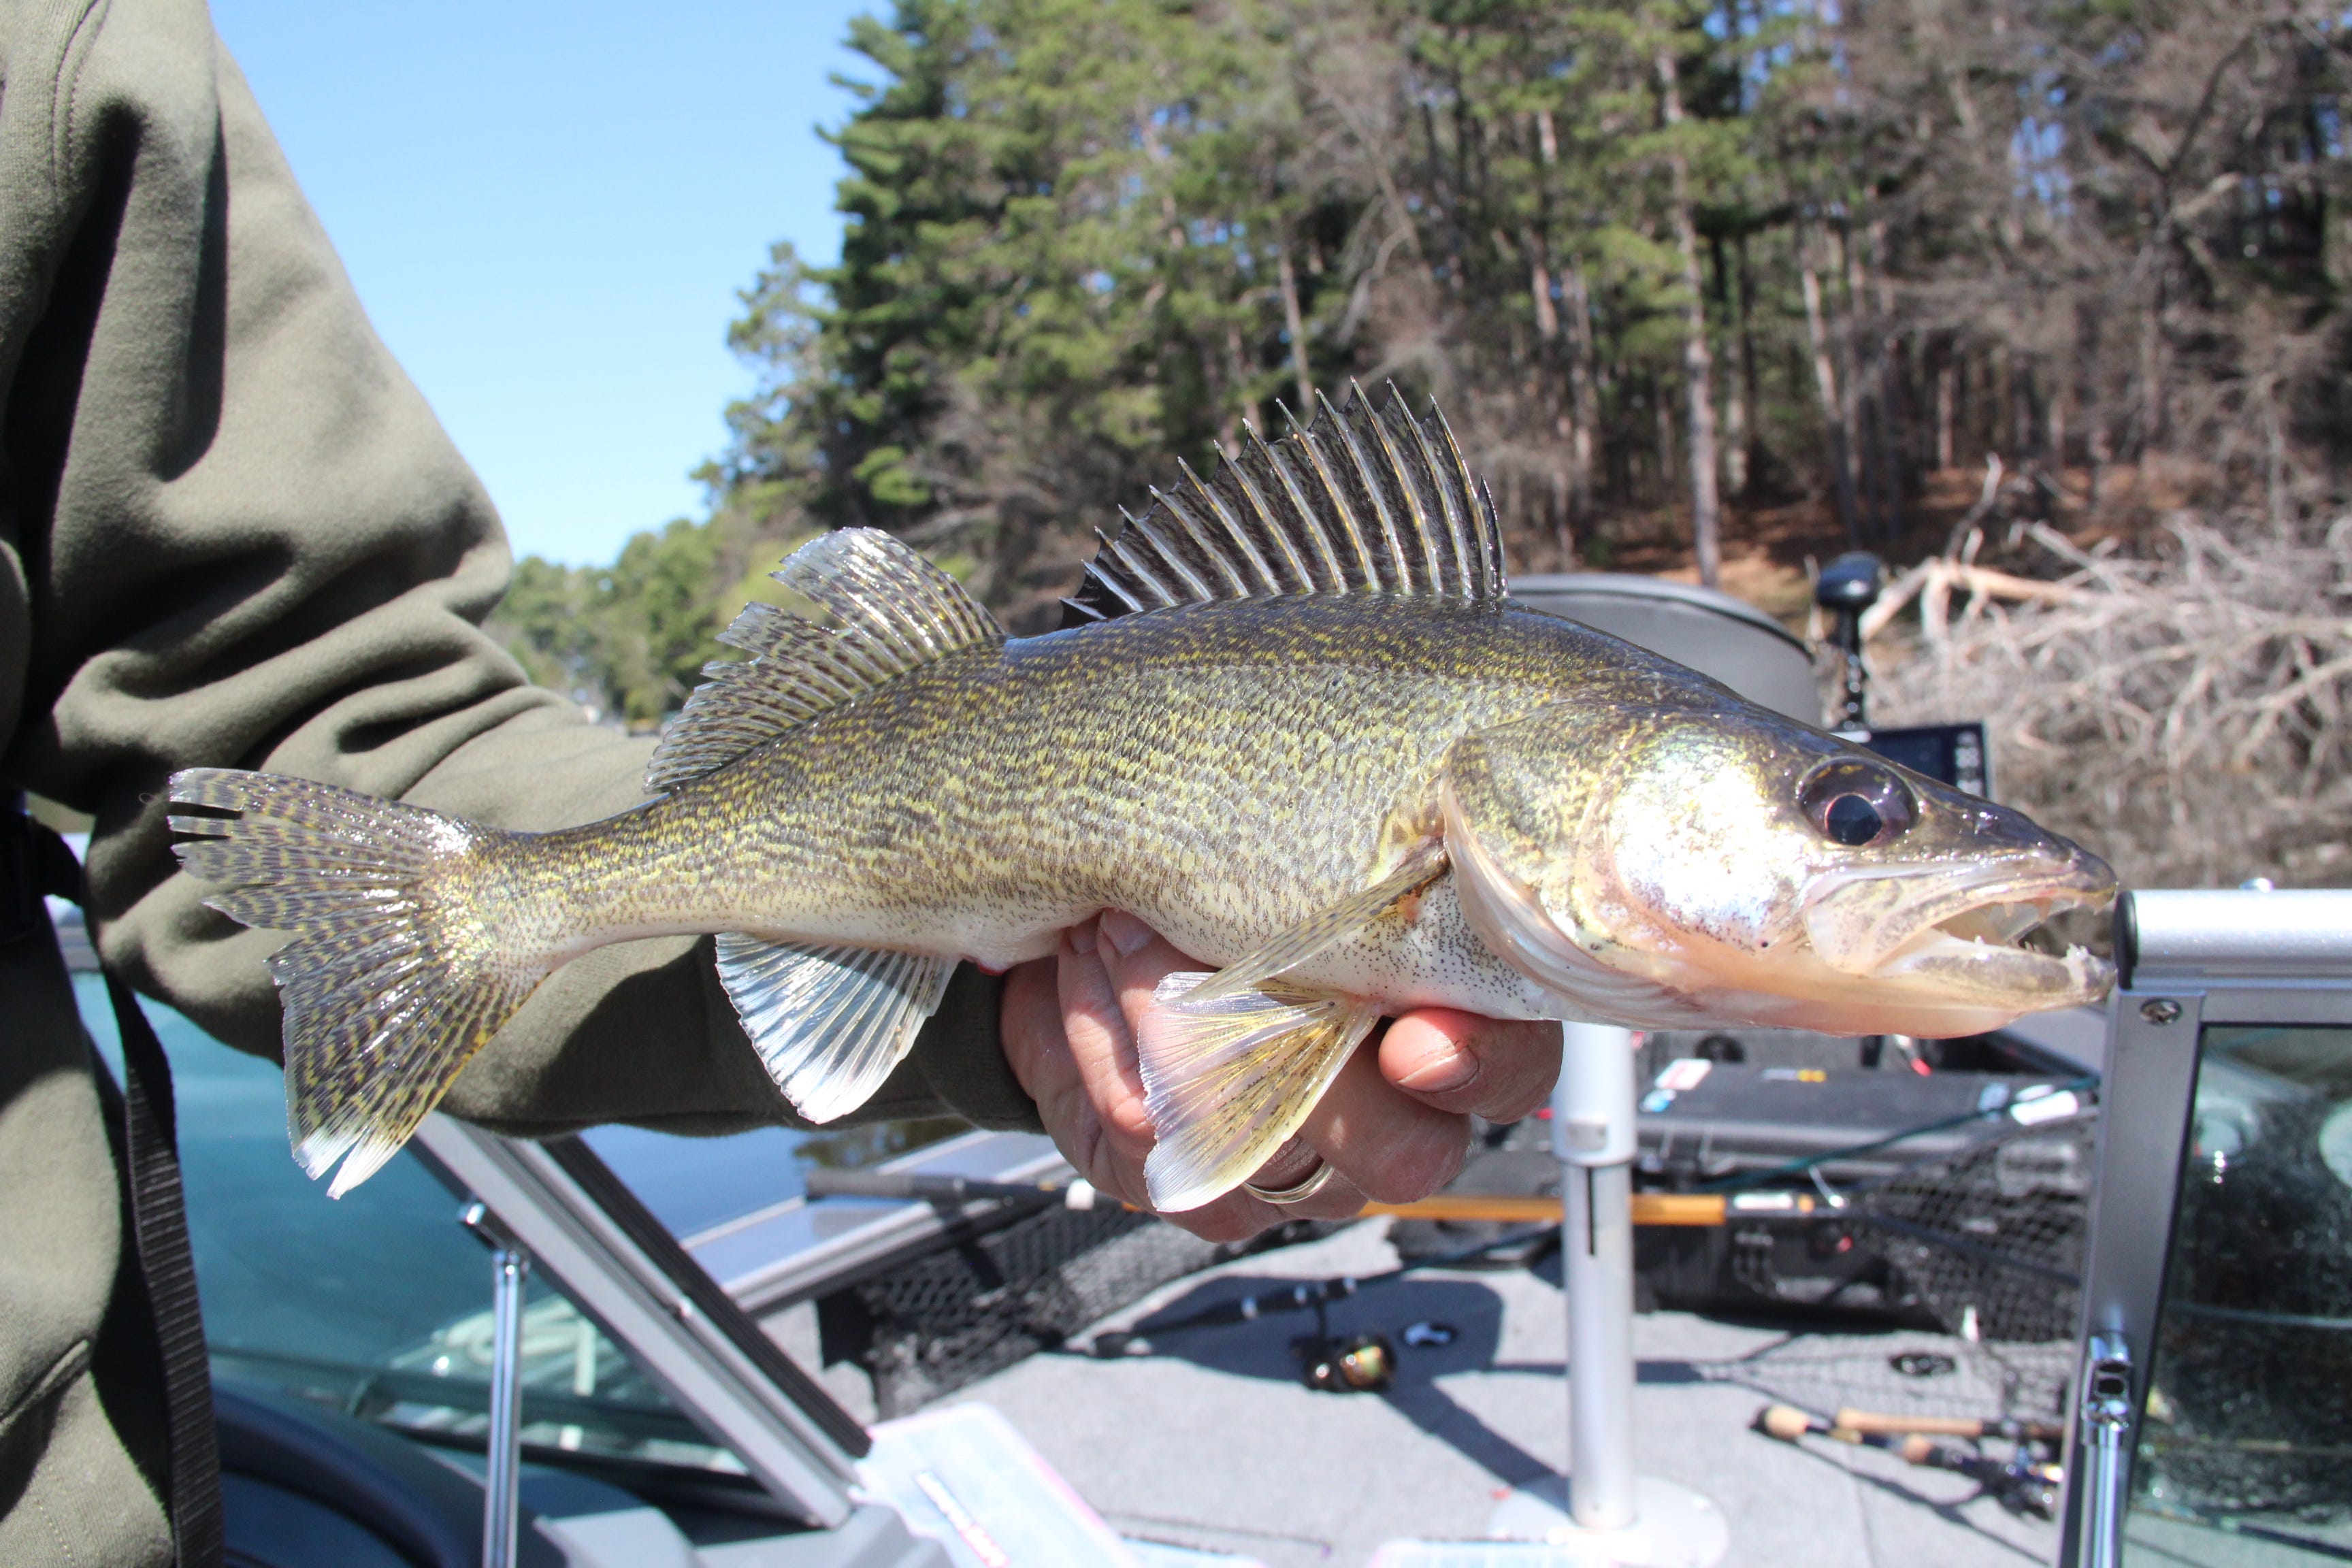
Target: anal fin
x=830 y=1023
x=1227 y=1082
x=1422 y=864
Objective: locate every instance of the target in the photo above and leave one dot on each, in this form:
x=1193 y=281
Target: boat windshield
x=378 y=1303
x=2246 y=1456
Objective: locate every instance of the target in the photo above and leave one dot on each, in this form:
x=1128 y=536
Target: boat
x=1901 y=1302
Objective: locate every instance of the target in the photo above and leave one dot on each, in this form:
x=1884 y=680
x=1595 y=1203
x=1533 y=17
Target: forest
x=2049 y=290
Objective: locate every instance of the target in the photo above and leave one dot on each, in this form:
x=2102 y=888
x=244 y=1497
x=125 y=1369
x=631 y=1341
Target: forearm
x=239 y=538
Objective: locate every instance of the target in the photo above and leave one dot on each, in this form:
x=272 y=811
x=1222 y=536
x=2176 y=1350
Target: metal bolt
x=2163 y=1010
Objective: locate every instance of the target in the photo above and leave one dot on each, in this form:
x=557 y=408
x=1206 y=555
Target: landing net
x=941 y=1320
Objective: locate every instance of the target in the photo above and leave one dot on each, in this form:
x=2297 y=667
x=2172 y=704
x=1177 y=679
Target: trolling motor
x=1954 y=754
x=1847 y=587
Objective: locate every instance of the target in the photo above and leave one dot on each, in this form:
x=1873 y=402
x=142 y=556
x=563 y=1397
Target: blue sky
x=547 y=210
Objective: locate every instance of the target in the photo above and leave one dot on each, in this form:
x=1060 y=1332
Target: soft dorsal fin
x=1357 y=502
x=897 y=611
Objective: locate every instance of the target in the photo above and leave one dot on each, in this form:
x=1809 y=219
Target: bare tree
x=1698 y=361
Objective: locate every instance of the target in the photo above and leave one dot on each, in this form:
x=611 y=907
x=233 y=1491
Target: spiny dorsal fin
x=1357 y=502
x=897 y=611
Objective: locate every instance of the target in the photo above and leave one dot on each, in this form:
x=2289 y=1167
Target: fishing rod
x=1504 y=1208
x=2232 y=1525
x=1513 y=1208
x=2006 y=1428
x=1806 y=1164
x=931 y=1187
x=1304 y=1295
x=2021 y=1485
x=1714 y=1203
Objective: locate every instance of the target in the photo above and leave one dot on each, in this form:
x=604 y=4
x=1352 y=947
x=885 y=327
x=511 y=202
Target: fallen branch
x=1933 y=582
x=2189 y=716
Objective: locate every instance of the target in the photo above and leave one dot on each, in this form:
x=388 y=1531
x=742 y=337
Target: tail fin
x=390 y=985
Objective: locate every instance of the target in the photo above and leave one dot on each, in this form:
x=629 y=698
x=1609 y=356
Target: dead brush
x=2181 y=710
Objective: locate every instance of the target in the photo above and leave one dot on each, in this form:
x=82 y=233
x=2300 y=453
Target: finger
x=1129 y=960
x=1459 y=1062
x=1391 y=1146
x=1109 y=969
x=1029 y=1021
x=1065 y=1042
x=1037 y=1048
x=1236 y=1216
x=1137 y=958
x=1297 y=1161
x=1101 y=1049
x=1382 y=1141
x=1240 y=1215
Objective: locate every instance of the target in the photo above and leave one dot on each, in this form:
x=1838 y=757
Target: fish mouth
x=1977 y=935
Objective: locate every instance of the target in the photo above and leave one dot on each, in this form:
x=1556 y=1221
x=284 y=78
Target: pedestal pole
x=1634 y=1519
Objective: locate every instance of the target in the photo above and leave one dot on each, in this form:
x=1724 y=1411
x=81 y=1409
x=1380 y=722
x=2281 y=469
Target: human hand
x=1394 y=1125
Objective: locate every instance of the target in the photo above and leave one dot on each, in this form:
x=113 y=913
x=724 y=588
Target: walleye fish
x=1301 y=729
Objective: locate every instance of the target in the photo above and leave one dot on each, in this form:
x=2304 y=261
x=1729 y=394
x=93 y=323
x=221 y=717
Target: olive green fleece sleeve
x=232 y=533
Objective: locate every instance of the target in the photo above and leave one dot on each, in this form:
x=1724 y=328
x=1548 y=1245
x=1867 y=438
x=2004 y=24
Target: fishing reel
x=1362 y=1363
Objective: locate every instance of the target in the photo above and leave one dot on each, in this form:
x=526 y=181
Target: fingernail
x=1125 y=932
x=1441 y=1074
x=1082 y=936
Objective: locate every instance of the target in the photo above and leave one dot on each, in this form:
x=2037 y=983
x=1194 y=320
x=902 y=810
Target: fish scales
x=1222 y=769
x=1304 y=733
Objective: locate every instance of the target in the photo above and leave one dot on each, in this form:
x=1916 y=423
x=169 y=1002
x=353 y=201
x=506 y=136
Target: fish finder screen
x=1949 y=754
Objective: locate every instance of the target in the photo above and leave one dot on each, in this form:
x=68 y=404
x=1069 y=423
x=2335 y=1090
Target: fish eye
x=1857 y=803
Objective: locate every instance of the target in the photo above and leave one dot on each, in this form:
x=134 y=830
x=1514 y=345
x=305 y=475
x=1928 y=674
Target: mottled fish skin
x=1306 y=737
x=1223 y=770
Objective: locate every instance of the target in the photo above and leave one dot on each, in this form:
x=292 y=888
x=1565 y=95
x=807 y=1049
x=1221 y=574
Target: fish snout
x=1858 y=919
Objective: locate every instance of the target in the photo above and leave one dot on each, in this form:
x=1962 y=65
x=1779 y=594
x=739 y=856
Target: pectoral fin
x=1421 y=865
x=1226 y=1083
x=829 y=1022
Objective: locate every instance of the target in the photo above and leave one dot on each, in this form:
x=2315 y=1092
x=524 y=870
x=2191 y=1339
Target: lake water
x=285 y=1271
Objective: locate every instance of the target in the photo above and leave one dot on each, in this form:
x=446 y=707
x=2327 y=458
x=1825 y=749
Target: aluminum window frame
x=2189 y=960
x=715 y=1364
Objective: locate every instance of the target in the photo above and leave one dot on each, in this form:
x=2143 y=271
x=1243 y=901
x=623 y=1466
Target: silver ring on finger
x=1297 y=1192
